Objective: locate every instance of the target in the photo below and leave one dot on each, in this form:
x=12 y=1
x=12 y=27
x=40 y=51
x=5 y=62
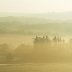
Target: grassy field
x=40 y=67
x=14 y=40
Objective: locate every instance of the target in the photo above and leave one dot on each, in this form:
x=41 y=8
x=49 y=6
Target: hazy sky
x=35 y=6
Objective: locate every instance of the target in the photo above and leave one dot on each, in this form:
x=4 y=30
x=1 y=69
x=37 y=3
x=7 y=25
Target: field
x=38 y=67
x=14 y=40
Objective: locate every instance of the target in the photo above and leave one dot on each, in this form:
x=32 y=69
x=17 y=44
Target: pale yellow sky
x=35 y=6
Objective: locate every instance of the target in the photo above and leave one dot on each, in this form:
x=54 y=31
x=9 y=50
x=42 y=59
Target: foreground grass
x=38 y=67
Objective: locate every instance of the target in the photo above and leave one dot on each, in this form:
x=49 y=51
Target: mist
x=36 y=42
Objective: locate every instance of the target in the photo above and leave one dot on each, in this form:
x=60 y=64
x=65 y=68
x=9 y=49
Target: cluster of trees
x=43 y=50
